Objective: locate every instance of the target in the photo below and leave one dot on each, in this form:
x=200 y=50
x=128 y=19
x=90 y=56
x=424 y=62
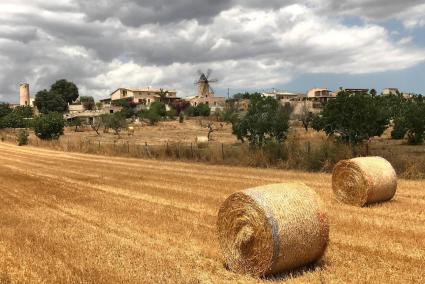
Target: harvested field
x=68 y=217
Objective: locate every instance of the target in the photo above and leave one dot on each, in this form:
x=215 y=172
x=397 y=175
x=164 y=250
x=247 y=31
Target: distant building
x=24 y=95
x=390 y=91
x=319 y=93
x=144 y=97
x=206 y=95
x=355 y=91
x=281 y=96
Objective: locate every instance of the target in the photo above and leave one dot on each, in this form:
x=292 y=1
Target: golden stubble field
x=76 y=218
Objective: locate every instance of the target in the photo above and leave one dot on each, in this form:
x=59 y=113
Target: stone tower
x=24 y=94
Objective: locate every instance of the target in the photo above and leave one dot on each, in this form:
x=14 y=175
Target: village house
x=143 y=98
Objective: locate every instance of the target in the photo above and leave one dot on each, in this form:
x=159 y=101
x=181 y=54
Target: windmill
x=204 y=88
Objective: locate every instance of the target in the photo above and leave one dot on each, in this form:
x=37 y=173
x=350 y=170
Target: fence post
x=146 y=148
x=191 y=150
x=128 y=147
x=222 y=150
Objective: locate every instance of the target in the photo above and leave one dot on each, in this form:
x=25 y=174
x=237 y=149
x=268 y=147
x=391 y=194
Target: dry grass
x=79 y=218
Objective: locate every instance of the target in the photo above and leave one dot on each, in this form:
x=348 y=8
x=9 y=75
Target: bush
x=49 y=126
x=22 y=137
x=181 y=117
x=171 y=114
x=399 y=130
x=199 y=110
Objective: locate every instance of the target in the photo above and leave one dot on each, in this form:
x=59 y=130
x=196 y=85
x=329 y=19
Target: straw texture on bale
x=271 y=229
x=363 y=181
x=201 y=141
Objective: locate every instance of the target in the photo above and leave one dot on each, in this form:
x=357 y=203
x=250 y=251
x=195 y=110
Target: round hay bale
x=271 y=229
x=201 y=141
x=365 y=180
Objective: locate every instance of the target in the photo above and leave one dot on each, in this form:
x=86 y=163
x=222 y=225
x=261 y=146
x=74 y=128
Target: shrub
x=22 y=137
x=181 y=117
x=399 y=130
x=199 y=110
x=49 y=126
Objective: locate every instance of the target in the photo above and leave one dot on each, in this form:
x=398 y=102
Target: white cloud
x=247 y=45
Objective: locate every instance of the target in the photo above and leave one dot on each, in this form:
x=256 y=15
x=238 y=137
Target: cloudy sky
x=250 y=45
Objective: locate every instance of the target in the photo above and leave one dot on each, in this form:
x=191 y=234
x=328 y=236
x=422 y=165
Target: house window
x=124 y=93
x=111 y=111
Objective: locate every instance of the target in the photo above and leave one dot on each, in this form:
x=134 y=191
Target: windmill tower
x=24 y=94
x=204 y=87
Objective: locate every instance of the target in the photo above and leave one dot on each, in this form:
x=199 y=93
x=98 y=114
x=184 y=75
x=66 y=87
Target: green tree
x=204 y=110
x=12 y=120
x=116 y=121
x=76 y=122
x=230 y=113
x=49 y=126
x=46 y=102
x=158 y=108
x=413 y=120
x=306 y=117
x=68 y=90
x=353 y=118
x=266 y=120
x=5 y=109
x=127 y=107
x=88 y=102
x=24 y=111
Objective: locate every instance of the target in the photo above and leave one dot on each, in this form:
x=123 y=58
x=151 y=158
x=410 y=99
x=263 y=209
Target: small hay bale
x=271 y=229
x=363 y=181
x=201 y=141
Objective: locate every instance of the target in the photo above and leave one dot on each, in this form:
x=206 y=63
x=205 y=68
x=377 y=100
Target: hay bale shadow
x=317 y=266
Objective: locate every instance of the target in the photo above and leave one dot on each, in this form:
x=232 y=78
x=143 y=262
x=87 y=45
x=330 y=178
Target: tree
x=5 y=109
x=116 y=121
x=158 y=108
x=46 y=102
x=230 y=113
x=12 y=120
x=127 y=107
x=412 y=120
x=353 y=118
x=155 y=113
x=87 y=102
x=204 y=110
x=76 y=122
x=306 y=117
x=180 y=106
x=49 y=126
x=24 y=111
x=66 y=89
x=199 y=110
x=266 y=120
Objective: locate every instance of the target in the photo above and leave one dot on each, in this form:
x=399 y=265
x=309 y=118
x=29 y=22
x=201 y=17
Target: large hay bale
x=201 y=141
x=365 y=180
x=271 y=229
